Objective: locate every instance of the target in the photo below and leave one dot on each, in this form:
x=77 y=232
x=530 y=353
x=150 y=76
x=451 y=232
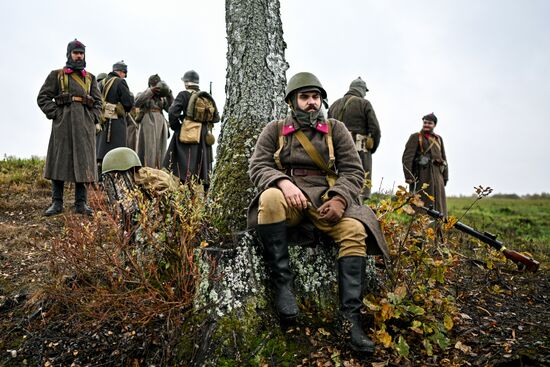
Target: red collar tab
x=70 y=71
x=322 y=127
x=288 y=129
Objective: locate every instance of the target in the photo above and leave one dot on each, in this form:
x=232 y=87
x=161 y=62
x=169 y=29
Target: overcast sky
x=480 y=66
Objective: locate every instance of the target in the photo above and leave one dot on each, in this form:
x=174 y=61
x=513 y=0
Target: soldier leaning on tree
x=153 y=131
x=358 y=115
x=425 y=162
x=306 y=169
x=119 y=100
x=71 y=99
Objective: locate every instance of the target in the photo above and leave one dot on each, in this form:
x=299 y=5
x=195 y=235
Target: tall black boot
x=81 y=199
x=350 y=275
x=274 y=239
x=57 y=199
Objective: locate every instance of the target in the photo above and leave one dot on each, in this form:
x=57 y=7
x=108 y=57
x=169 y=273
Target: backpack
x=202 y=108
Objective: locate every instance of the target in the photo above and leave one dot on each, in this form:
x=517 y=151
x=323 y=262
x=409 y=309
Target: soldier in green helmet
x=357 y=114
x=306 y=168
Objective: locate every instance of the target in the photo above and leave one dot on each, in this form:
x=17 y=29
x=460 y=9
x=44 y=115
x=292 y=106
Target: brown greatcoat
x=359 y=118
x=264 y=174
x=71 y=150
x=153 y=131
x=435 y=173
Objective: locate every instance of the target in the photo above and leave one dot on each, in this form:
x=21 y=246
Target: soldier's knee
x=272 y=206
x=353 y=242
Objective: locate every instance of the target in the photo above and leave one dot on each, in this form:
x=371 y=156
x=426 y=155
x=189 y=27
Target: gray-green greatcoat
x=435 y=173
x=359 y=118
x=264 y=174
x=153 y=131
x=71 y=150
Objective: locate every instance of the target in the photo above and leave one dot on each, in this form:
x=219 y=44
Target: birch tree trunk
x=255 y=84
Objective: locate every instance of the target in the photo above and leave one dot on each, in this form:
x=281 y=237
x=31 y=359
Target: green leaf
x=416 y=310
x=428 y=347
x=402 y=347
x=440 y=339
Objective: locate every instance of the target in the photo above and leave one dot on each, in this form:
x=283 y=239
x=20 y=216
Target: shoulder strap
x=346 y=103
x=84 y=84
x=108 y=86
x=330 y=145
x=313 y=153
x=63 y=81
x=281 y=139
x=191 y=104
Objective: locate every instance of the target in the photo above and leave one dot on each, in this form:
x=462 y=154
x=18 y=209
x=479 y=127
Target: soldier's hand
x=98 y=128
x=333 y=210
x=156 y=90
x=294 y=197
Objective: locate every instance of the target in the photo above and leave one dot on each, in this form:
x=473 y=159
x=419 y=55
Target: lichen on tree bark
x=255 y=83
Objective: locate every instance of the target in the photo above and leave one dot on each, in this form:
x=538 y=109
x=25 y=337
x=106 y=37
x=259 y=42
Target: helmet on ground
x=120 y=159
x=191 y=76
x=164 y=88
x=302 y=81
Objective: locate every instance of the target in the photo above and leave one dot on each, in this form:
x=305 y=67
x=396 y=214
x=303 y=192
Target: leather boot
x=57 y=199
x=274 y=239
x=80 y=199
x=350 y=275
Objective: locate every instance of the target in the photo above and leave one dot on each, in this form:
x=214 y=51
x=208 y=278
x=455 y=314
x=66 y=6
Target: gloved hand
x=98 y=128
x=155 y=90
x=333 y=210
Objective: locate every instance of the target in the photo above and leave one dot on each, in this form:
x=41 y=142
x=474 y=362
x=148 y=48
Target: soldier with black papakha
x=192 y=116
x=357 y=114
x=307 y=170
x=117 y=102
x=153 y=131
x=71 y=99
x=425 y=163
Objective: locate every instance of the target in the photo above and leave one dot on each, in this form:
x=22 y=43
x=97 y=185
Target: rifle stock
x=521 y=260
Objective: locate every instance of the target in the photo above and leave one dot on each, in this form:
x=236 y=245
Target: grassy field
x=521 y=223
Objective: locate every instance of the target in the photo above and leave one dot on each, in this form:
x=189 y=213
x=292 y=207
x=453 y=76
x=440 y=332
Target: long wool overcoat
x=435 y=173
x=186 y=160
x=153 y=131
x=264 y=173
x=71 y=150
x=114 y=132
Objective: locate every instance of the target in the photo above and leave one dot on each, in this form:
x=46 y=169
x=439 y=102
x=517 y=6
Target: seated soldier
x=307 y=167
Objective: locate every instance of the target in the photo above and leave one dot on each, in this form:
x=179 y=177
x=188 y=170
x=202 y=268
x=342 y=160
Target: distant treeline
x=542 y=195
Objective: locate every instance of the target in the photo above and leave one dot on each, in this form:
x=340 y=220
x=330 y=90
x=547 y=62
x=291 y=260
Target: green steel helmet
x=191 y=76
x=164 y=88
x=120 y=159
x=303 y=80
x=101 y=76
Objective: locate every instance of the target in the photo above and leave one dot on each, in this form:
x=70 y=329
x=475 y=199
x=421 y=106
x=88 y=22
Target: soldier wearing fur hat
x=119 y=101
x=425 y=162
x=71 y=99
x=153 y=132
x=358 y=115
x=191 y=156
x=306 y=168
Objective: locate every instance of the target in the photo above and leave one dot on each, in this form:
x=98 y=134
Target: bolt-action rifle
x=490 y=239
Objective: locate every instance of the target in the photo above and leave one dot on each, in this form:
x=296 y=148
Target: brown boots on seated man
x=80 y=202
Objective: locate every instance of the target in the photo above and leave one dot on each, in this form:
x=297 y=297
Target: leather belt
x=301 y=172
x=77 y=99
x=154 y=110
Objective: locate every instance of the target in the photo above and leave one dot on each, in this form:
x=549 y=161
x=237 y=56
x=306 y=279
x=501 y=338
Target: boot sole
x=368 y=350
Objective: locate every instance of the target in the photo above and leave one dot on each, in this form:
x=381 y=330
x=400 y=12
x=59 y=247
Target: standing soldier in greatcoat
x=153 y=132
x=306 y=168
x=358 y=115
x=71 y=99
x=119 y=101
x=425 y=162
x=190 y=158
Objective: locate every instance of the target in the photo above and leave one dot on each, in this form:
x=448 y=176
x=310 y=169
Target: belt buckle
x=299 y=172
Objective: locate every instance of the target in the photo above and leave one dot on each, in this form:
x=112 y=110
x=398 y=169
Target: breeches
x=348 y=233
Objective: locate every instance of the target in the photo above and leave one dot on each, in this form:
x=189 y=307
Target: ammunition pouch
x=63 y=99
x=364 y=143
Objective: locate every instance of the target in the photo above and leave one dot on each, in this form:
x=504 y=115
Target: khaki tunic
x=435 y=173
x=264 y=174
x=72 y=146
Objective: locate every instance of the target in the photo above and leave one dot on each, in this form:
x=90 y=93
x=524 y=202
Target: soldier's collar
x=321 y=126
x=67 y=70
